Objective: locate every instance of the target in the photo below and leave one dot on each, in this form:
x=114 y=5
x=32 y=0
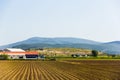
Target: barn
x=16 y=53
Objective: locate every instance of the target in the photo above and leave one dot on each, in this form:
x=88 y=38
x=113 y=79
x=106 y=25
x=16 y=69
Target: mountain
x=114 y=43
x=41 y=42
x=57 y=40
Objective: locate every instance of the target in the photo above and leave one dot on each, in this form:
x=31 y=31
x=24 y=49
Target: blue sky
x=97 y=20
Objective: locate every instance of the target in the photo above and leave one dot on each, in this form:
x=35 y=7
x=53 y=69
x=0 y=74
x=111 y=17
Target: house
x=79 y=55
x=32 y=55
x=16 y=53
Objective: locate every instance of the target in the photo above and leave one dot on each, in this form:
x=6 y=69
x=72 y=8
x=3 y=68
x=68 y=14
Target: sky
x=97 y=20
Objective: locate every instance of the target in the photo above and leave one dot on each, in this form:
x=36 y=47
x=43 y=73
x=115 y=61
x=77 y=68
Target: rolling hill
x=39 y=42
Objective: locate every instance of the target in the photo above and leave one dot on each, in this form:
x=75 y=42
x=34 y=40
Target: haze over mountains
x=41 y=42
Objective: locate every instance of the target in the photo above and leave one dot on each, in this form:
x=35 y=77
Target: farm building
x=14 y=50
x=15 y=53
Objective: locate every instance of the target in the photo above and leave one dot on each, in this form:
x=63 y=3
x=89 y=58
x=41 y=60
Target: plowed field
x=60 y=70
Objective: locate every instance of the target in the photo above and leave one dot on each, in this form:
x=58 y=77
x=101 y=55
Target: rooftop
x=14 y=50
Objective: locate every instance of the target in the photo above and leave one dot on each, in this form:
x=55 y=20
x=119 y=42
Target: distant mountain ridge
x=59 y=40
x=114 y=42
x=41 y=42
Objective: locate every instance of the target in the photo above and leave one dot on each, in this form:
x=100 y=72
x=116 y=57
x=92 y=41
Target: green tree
x=94 y=53
x=3 y=57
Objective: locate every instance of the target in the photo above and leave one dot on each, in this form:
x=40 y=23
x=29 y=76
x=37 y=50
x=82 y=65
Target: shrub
x=3 y=57
x=94 y=53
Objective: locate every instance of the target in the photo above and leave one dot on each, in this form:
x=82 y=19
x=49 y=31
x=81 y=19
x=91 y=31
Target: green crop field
x=60 y=70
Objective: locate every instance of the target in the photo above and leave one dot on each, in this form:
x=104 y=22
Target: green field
x=60 y=70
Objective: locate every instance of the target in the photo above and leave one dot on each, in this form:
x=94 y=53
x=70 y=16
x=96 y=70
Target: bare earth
x=60 y=70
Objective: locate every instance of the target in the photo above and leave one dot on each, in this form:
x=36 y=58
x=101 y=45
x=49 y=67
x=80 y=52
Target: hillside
x=49 y=41
x=59 y=40
x=38 y=42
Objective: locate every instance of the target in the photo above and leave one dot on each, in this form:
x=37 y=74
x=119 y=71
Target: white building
x=16 y=53
x=13 y=50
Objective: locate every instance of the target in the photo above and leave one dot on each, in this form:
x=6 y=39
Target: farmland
x=60 y=70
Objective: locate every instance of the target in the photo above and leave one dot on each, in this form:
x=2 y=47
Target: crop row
x=57 y=70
